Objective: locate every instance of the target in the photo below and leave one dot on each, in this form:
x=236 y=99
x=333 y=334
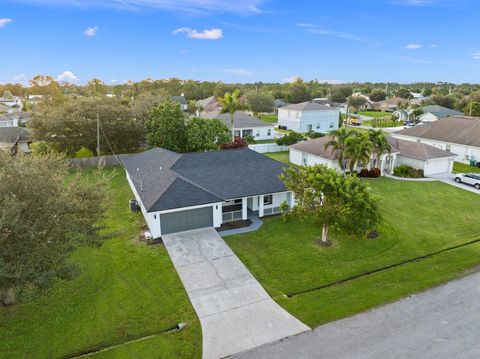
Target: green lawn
x=126 y=291
x=459 y=167
x=375 y=114
x=272 y=118
x=264 y=141
x=419 y=218
x=279 y=156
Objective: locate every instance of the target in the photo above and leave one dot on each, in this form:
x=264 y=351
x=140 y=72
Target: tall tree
x=404 y=93
x=258 y=101
x=380 y=144
x=338 y=142
x=230 y=103
x=166 y=127
x=298 y=91
x=43 y=218
x=378 y=95
x=358 y=149
x=328 y=199
x=205 y=134
x=356 y=102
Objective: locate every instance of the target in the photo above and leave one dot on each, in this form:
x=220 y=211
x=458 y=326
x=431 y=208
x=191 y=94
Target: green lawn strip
x=272 y=118
x=259 y=142
x=375 y=114
x=282 y=156
x=459 y=167
x=126 y=290
x=340 y=301
x=419 y=218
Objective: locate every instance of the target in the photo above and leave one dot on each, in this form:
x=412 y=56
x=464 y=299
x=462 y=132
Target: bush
x=290 y=139
x=237 y=143
x=83 y=152
x=408 y=172
x=372 y=173
x=312 y=134
x=250 y=139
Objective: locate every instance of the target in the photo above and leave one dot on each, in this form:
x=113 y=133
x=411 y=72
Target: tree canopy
x=258 y=101
x=166 y=127
x=205 y=134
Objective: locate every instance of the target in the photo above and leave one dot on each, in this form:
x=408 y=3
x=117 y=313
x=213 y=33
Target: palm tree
x=338 y=143
x=380 y=145
x=358 y=149
x=230 y=104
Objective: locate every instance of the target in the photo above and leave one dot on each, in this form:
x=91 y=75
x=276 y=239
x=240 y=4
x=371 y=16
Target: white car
x=469 y=178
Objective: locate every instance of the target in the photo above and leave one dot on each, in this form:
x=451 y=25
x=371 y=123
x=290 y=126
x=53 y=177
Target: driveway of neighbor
x=441 y=323
x=235 y=312
x=449 y=178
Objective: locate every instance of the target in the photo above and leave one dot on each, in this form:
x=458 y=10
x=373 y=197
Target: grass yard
x=279 y=156
x=126 y=291
x=375 y=114
x=272 y=118
x=419 y=218
x=459 y=167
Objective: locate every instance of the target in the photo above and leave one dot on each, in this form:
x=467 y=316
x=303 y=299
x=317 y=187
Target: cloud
x=5 y=21
x=433 y=46
x=207 y=34
x=91 y=31
x=67 y=76
x=318 y=30
x=193 y=7
x=291 y=79
x=413 y=46
x=240 y=72
x=476 y=55
x=19 y=77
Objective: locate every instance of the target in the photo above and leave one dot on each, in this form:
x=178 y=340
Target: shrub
x=408 y=172
x=83 y=152
x=237 y=143
x=250 y=139
x=312 y=134
x=372 y=173
x=290 y=139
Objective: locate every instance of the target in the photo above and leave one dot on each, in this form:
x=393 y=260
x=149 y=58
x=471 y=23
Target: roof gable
x=308 y=106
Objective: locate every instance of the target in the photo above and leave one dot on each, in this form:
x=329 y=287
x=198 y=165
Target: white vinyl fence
x=268 y=147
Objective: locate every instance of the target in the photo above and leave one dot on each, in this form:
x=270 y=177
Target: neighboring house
x=245 y=125
x=417 y=95
x=326 y=102
x=181 y=100
x=22 y=117
x=308 y=116
x=8 y=122
x=12 y=104
x=368 y=104
x=277 y=103
x=389 y=105
x=402 y=115
x=179 y=192
x=457 y=134
x=434 y=112
x=209 y=104
x=430 y=159
x=15 y=139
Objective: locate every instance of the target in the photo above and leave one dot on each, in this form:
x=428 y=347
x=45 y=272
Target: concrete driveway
x=449 y=178
x=235 y=312
x=441 y=323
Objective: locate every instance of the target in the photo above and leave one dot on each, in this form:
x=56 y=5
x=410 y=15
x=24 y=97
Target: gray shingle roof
x=180 y=99
x=316 y=147
x=440 y=111
x=418 y=150
x=203 y=177
x=307 y=106
x=12 y=134
x=456 y=129
x=242 y=120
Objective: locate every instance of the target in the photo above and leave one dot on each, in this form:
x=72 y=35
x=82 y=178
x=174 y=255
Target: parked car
x=469 y=178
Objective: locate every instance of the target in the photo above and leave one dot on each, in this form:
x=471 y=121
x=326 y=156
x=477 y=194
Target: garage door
x=186 y=220
x=438 y=166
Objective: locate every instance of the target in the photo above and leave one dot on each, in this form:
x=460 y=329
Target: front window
x=269 y=132
x=236 y=133
x=317 y=126
x=331 y=124
x=448 y=148
x=267 y=200
x=246 y=133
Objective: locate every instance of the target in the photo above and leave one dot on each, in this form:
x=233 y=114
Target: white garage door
x=186 y=220
x=437 y=166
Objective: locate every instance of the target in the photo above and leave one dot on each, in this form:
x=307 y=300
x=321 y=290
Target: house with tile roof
x=308 y=116
x=179 y=192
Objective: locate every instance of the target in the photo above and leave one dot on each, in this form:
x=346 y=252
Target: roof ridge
x=195 y=184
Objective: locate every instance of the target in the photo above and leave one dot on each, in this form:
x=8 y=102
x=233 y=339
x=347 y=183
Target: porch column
x=382 y=163
x=260 y=206
x=244 y=208
x=292 y=200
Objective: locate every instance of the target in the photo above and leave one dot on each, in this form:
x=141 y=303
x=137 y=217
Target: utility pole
x=98 y=136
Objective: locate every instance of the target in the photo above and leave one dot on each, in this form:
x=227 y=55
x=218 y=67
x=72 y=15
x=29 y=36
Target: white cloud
x=5 y=21
x=413 y=46
x=476 y=55
x=113 y=81
x=194 y=7
x=91 y=31
x=433 y=46
x=291 y=79
x=240 y=72
x=67 y=76
x=207 y=34
x=19 y=77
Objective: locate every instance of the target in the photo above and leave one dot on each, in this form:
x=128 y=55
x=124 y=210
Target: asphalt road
x=441 y=323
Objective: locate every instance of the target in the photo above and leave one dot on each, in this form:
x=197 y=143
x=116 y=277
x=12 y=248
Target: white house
x=308 y=116
x=180 y=192
x=181 y=100
x=245 y=125
x=434 y=112
x=8 y=122
x=430 y=159
x=457 y=134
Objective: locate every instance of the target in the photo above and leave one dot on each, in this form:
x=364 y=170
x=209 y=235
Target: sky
x=241 y=40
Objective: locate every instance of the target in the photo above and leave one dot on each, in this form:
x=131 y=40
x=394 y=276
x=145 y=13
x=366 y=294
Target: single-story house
x=8 y=122
x=245 y=125
x=181 y=100
x=179 y=192
x=209 y=104
x=278 y=102
x=435 y=112
x=456 y=134
x=308 y=116
x=389 y=105
x=430 y=159
x=368 y=103
x=15 y=139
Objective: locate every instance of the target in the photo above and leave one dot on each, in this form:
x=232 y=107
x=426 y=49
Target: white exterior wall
x=296 y=157
x=268 y=147
x=429 y=167
x=409 y=161
x=428 y=117
x=264 y=133
x=9 y=123
x=277 y=200
x=300 y=120
x=464 y=153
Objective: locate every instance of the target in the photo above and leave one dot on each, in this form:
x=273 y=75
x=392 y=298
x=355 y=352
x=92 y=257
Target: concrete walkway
x=441 y=323
x=256 y=224
x=235 y=312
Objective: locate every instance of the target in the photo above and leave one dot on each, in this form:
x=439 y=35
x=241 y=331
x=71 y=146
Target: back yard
x=126 y=291
x=319 y=284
